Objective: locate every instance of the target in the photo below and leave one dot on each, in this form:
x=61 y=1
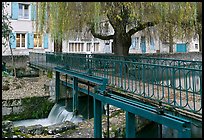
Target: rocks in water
x=35 y=129
x=9 y=131
x=23 y=129
x=7 y=125
x=61 y=127
x=14 y=136
x=7 y=128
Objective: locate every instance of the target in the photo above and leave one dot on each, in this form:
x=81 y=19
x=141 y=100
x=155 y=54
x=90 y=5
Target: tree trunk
x=13 y=64
x=121 y=44
x=171 y=41
x=200 y=41
x=57 y=46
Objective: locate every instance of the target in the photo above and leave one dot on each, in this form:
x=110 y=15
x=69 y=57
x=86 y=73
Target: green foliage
x=49 y=74
x=70 y=16
x=34 y=108
x=68 y=19
x=6 y=28
x=5 y=74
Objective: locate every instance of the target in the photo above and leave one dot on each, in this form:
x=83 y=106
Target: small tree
x=6 y=31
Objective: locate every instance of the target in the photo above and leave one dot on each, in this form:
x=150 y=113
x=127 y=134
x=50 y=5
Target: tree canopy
x=62 y=19
x=6 y=27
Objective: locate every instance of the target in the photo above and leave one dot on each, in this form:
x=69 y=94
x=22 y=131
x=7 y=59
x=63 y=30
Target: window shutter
x=12 y=40
x=33 y=12
x=27 y=34
x=14 y=10
x=136 y=42
x=30 y=40
x=45 y=41
x=151 y=43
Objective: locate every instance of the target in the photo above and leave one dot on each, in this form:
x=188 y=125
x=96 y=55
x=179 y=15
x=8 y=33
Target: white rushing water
x=58 y=114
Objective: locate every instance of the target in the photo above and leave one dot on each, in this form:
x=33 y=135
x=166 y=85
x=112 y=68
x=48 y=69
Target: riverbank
x=29 y=87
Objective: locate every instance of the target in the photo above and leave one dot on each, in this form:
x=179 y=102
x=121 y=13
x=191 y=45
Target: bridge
x=163 y=90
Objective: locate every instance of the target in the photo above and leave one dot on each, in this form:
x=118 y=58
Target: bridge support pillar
x=57 y=87
x=186 y=133
x=75 y=95
x=97 y=118
x=130 y=125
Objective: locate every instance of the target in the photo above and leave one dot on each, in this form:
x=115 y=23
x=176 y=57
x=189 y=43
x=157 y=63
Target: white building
x=26 y=40
x=143 y=43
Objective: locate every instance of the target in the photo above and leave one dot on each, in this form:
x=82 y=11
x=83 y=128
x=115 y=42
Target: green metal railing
x=142 y=59
x=173 y=84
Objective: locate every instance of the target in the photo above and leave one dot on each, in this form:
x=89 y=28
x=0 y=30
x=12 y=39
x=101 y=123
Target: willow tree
x=199 y=27
x=62 y=19
x=179 y=22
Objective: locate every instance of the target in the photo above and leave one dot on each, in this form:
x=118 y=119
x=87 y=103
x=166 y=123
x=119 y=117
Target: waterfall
x=58 y=114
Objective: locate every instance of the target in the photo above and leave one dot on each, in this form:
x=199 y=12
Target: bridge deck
x=180 y=97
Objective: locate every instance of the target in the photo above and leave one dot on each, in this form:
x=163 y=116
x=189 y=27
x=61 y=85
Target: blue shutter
x=45 y=41
x=12 y=40
x=151 y=43
x=133 y=43
x=33 y=12
x=143 y=44
x=14 y=10
x=181 y=48
x=30 y=40
x=27 y=40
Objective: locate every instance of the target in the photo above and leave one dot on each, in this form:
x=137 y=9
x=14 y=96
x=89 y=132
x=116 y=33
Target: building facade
x=151 y=43
x=25 y=39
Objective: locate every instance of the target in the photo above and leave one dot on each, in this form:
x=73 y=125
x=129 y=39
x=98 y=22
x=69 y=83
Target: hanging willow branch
x=67 y=19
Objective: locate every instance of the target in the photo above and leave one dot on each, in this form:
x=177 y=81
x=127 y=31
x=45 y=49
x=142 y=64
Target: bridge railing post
x=97 y=118
x=75 y=95
x=130 y=125
x=57 y=87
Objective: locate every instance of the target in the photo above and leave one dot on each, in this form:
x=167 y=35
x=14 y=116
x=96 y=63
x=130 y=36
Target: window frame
x=21 y=40
x=23 y=11
x=196 y=46
x=37 y=47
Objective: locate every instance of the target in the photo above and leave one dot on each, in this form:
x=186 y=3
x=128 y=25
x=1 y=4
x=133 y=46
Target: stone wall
x=16 y=106
x=20 y=60
x=12 y=106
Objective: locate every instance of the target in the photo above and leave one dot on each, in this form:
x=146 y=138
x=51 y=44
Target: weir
x=57 y=115
x=150 y=88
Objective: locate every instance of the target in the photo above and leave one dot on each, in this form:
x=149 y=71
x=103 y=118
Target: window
x=37 y=40
x=88 y=47
x=76 y=47
x=23 y=11
x=96 y=47
x=106 y=27
x=82 y=47
x=196 y=46
x=20 y=40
